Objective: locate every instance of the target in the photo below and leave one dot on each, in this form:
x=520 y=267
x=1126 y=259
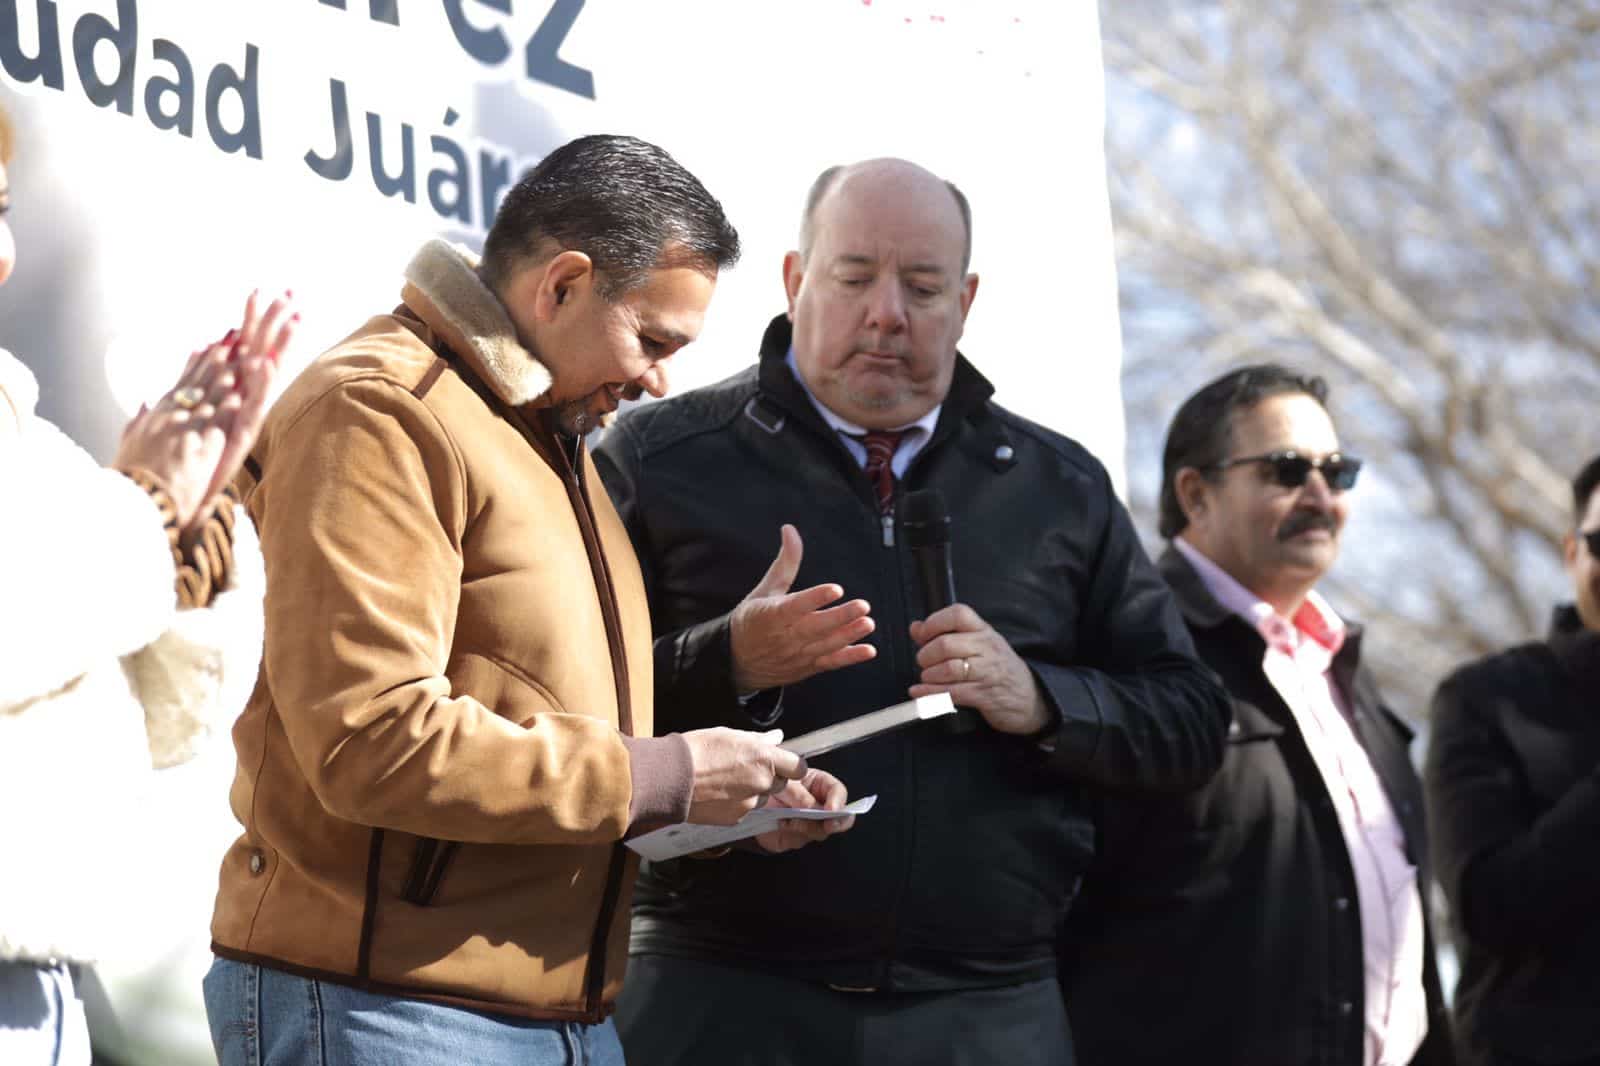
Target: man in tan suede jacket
x=450 y=735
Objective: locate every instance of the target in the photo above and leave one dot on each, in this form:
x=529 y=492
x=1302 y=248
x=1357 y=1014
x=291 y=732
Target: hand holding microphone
x=925 y=525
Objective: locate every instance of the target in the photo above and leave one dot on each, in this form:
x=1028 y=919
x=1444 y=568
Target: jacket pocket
x=1252 y=787
x=429 y=860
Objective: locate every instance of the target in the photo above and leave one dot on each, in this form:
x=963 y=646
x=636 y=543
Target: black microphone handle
x=939 y=591
x=938 y=580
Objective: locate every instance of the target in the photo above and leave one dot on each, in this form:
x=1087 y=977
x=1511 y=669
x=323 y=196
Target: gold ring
x=188 y=397
x=966 y=669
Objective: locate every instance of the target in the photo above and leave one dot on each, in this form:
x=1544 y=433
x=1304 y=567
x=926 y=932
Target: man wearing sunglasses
x=1275 y=915
x=1513 y=786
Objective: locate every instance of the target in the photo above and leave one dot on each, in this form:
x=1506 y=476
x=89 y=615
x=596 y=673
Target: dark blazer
x=1513 y=784
x=1222 y=926
x=961 y=874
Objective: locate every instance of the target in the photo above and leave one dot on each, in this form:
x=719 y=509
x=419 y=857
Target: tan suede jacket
x=436 y=765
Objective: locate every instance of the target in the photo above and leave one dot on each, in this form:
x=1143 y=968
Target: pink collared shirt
x=1298 y=659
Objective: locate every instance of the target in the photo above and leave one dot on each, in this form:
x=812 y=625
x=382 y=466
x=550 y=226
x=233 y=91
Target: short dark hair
x=830 y=177
x=1202 y=430
x=626 y=204
x=1583 y=487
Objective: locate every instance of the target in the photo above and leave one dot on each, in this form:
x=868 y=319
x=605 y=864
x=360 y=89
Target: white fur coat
x=102 y=679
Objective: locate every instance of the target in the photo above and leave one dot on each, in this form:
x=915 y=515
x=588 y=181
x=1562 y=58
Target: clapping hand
x=196 y=436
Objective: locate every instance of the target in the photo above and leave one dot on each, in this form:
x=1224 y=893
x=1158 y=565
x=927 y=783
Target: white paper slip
x=683 y=838
x=869 y=725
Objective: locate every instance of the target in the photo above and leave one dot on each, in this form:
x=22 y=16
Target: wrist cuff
x=663 y=778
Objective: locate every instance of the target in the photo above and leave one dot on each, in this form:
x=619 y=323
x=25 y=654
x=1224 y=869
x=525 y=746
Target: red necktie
x=880 y=445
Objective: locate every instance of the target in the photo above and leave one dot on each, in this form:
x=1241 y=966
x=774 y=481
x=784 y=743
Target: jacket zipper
x=902 y=642
x=891 y=931
x=579 y=493
x=570 y=467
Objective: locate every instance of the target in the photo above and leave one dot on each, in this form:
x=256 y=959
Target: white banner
x=172 y=154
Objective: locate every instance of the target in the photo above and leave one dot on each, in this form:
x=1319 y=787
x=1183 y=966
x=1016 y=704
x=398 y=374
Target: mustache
x=1304 y=521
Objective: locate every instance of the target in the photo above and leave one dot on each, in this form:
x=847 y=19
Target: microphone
x=925 y=525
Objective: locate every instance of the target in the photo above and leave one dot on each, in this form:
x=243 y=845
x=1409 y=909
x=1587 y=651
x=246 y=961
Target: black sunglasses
x=1591 y=537
x=1291 y=469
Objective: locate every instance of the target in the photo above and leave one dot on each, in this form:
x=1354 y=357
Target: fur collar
x=444 y=290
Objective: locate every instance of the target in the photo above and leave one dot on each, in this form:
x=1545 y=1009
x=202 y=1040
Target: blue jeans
x=41 y=1017
x=265 y=1017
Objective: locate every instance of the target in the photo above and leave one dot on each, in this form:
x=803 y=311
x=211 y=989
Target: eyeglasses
x=1591 y=537
x=1291 y=469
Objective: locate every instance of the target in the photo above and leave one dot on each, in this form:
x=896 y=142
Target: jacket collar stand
x=1577 y=648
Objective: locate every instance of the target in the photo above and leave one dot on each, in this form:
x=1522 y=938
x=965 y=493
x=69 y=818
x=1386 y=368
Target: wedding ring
x=966 y=669
x=188 y=397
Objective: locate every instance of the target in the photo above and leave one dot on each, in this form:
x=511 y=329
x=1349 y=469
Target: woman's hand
x=197 y=435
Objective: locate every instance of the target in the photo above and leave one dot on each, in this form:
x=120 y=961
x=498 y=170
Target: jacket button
x=1342 y=904
x=1347 y=1008
x=258 y=862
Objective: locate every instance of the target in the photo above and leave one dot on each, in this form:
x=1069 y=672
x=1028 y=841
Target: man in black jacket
x=1276 y=916
x=1513 y=786
x=926 y=934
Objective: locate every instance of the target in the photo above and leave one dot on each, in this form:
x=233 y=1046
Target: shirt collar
x=1314 y=622
x=841 y=425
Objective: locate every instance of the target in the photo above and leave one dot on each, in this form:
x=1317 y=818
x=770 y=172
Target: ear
x=555 y=284
x=1569 y=550
x=1193 y=492
x=794 y=270
x=969 y=292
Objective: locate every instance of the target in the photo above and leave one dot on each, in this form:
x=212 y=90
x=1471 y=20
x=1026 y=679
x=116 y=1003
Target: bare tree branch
x=1397 y=193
